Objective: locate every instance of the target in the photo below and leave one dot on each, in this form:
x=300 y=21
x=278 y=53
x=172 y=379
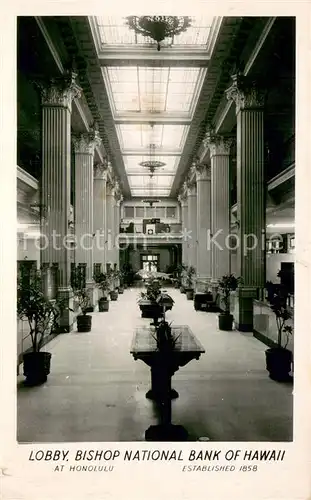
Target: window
x=128 y=212
x=139 y=212
x=171 y=212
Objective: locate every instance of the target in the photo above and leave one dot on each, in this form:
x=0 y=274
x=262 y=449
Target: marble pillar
x=219 y=148
x=110 y=199
x=192 y=224
x=182 y=198
x=251 y=209
x=84 y=146
x=56 y=185
x=203 y=180
x=100 y=215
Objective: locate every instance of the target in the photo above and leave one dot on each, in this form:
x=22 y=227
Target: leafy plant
x=153 y=291
x=103 y=283
x=79 y=289
x=278 y=304
x=41 y=313
x=164 y=338
x=190 y=273
x=227 y=284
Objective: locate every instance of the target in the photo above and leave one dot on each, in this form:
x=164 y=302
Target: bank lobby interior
x=150 y=151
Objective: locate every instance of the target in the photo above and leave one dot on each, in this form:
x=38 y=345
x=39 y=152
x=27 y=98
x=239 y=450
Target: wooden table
x=163 y=366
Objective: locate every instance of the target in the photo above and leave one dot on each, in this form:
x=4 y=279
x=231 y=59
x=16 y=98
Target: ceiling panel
x=140 y=136
x=156 y=181
x=114 y=31
x=132 y=163
x=152 y=90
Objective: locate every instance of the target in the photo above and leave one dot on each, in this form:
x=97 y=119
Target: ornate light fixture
x=158 y=27
x=152 y=164
x=151 y=202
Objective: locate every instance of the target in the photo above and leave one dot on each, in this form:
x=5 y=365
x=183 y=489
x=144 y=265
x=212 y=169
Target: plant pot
x=36 y=367
x=121 y=289
x=189 y=294
x=182 y=289
x=89 y=309
x=84 y=323
x=176 y=285
x=103 y=305
x=114 y=295
x=225 y=321
x=125 y=286
x=278 y=363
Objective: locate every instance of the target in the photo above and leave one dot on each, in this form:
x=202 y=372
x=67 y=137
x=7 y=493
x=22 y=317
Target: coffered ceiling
x=152 y=95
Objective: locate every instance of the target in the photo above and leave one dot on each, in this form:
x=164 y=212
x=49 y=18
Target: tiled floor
x=96 y=391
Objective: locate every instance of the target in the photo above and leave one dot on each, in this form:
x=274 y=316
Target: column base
x=243 y=308
x=167 y=432
x=66 y=318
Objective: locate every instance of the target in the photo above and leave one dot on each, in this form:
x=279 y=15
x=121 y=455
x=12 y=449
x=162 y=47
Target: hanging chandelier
x=152 y=164
x=151 y=202
x=158 y=27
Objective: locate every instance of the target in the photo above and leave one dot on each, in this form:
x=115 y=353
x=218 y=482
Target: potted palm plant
x=102 y=282
x=112 y=276
x=84 y=320
x=279 y=358
x=42 y=315
x=190 y=274
x=226 y=285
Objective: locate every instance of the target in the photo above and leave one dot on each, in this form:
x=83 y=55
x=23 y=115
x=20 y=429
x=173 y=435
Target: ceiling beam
x=121 y=58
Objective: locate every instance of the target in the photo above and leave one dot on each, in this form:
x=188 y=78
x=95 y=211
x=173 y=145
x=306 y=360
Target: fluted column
x=203 y=179
x=110 y=197
x=84 y=145
x=100 y=214
x=192 y=224
x=219 y=148
x=118 y=199
x=55 y=187
x=249 y=100
x=182 y=198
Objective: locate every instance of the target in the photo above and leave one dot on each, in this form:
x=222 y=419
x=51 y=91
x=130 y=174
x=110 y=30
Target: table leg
x=166 y=431
x=156 y=383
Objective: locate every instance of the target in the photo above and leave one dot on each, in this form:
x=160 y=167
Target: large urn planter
x=36 y=367
x=182 y=289
x=225 y=321
x=279 y=363
x=103 y=304
x=84 y=323
x=114 y=295
x=121 y=289
x=189 y=294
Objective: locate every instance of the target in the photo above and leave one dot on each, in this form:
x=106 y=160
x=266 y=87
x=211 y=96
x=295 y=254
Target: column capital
x=60 y=91
x=101 y=171
x=182 y=198
x=191 y=188
x=217 y=144
x=111 y=187
x=85 y=143
x=246 y=93
x=202 y=172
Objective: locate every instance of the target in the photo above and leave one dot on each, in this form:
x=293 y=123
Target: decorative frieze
x=246 y=93
x=60 y=91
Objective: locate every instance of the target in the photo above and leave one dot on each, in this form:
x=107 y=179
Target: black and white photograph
x=156 y=223
x=155 y=258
